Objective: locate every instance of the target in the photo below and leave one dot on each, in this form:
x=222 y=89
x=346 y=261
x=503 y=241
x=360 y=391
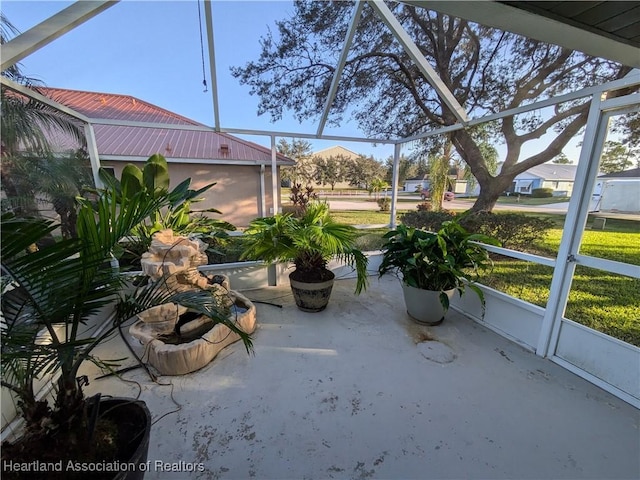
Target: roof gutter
x=202 y=161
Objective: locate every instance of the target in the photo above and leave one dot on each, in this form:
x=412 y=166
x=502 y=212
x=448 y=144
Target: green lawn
x=606 y=302
x=362 y=217
x=603 y=301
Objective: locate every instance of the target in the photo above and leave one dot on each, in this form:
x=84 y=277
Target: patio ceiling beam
x=167 y=126
x=337 y=74
x=55 y=26
x=513 y=19
x=212 y=64
x=416 y=55
x=241 y=131
x=203 y=161
x=245 y=131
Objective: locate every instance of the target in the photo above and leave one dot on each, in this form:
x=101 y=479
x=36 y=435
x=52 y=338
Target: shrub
x=301 y=197
x=513 y=230
x=424 y=206
x=225 y=252
x=426 y=220
x=384 y=203
x=542 y=193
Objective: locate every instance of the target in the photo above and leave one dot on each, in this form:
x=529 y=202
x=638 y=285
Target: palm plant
x=27 y=126
x=54 y=291
x=309 y=241
x=52 y=180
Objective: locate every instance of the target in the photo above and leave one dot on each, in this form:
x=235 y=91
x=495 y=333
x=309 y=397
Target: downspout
x=394 y=185
x=263 y=193
x=92 y=149
x=274 y=176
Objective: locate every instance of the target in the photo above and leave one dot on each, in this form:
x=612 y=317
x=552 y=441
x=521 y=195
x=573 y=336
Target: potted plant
x=178 y=215
x=49 y=295
x=309 y=241
x=433 y=265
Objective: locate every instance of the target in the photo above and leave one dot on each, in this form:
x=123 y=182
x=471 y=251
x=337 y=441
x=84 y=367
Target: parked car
x=426 y=193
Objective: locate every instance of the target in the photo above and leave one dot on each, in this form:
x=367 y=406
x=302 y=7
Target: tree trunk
x=490 y=187
x=490 y=192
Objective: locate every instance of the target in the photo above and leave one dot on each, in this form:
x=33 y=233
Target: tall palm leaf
x=64 y=284
x=309 y=241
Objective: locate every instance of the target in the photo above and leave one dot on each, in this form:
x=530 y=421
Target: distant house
x=335 y=151
x=414 y=184
x=240 y=168
x=618 y=192
x=455 y=183
x=558 y=177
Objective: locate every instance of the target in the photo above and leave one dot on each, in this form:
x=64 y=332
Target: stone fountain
x=176 y=340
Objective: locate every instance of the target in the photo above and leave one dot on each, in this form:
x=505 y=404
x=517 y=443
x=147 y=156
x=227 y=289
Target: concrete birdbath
x=176 y=340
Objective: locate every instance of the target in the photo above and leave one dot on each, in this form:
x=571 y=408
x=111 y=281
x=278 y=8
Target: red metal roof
x=125 y=141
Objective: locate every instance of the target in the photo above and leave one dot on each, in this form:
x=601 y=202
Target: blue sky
x=151 y=50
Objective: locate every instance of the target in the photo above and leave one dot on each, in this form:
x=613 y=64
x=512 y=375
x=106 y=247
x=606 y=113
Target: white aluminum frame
x=53 y=27
x=486 y=12
x=337 y=75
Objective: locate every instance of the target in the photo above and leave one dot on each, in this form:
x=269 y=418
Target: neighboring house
x=557 y=177
x=414 y=184
x=618 y=192
x=241 y=169
x=336 y=150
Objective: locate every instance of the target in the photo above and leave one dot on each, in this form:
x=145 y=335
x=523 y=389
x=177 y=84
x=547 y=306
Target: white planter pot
x=424 y=306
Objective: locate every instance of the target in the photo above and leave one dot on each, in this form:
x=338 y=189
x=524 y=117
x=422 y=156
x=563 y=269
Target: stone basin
x=179 y=359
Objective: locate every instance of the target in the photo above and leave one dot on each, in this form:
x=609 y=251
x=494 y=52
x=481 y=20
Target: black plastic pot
x=134 y=425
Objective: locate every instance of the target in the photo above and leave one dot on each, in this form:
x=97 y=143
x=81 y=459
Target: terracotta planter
x=311 y=297
x=424 y=306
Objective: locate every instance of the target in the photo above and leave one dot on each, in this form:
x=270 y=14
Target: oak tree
x=382 y=89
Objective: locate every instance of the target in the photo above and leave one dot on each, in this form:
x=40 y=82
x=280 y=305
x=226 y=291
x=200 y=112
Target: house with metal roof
x=239 y=167
x=558 y=177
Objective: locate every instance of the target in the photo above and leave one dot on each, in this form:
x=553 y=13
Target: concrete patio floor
x=356 y=392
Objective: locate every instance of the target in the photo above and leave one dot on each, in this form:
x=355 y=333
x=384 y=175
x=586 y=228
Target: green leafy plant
x=439 y=261
x=50 y=294
x=309 y=241
x=153 y=181
x=300 y=197
x=513 y=230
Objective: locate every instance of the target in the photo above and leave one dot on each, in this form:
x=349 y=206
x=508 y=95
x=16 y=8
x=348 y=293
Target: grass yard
x=603 y=301
x=606 y=302
x=362 y=217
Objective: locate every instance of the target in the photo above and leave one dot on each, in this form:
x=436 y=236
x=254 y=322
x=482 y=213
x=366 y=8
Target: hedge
x=513 y=230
